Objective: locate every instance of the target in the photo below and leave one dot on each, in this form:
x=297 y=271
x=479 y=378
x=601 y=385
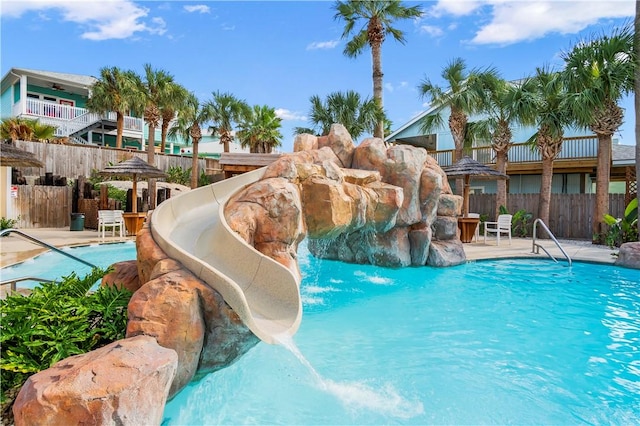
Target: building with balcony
x=60 y=99
x=574 y=168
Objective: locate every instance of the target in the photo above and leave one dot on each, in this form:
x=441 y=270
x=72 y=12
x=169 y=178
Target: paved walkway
x=14 y=248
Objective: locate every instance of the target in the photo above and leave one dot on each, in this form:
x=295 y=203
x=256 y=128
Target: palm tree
x=115 y=91
x=224 y=110
x=548 y=108
x=24 y=129
x=599 y=72
x=464 y=96
x=190 y=118
x=156 y=88
x=504 y=105
x=175 y=97
x=260 y=129
x=378 y=17
x=358 y=116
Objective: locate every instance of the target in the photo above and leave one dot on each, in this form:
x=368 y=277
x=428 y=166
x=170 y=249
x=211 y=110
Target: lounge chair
x=501 y=226
x=110 y=219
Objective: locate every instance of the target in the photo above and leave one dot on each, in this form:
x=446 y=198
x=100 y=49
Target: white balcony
x=68 y=119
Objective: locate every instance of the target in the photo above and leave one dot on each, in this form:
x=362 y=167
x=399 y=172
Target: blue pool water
x=53 y=266
x=491 y=342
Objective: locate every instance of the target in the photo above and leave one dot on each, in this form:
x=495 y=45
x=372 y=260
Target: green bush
x=625 y=229
x=204 y=179
x=57 y=320
x=7 y=223
x=177 y=174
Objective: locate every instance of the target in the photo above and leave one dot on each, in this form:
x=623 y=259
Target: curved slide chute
x=191 y=228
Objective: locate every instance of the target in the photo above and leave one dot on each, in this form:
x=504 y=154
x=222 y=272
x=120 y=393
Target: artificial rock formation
x=367 y=204
x=629 y=255
x=125 y=383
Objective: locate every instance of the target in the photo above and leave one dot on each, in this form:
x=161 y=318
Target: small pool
x=490 y=342
x=52 y=265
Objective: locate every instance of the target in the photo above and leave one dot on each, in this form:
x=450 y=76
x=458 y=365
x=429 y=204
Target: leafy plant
x=520 y=222
x=177 y=174
x=204 y=179
x=7 y=223
x=625 y=229
x=58 y=320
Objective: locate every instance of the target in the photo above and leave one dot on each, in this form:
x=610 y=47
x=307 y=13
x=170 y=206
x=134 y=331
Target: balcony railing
x=574 y=148
x=68 y=119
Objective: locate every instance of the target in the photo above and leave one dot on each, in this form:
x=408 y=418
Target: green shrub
x=625 y=229
x=7 y=223
x=57 y=320
x=177 y=174
x=204 y=179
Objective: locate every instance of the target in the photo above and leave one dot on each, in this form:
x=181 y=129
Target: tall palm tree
x=463 y=96
x=156 y=89
x=378 y=17
x=175 y=97
x=503 y=106
x=599 y=72
x=115 y=91
x=225 y=110
x=260 y=130
x=548 y=107
x=357 y=115
x=191 y=116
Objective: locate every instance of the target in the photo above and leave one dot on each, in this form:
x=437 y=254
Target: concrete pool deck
x=14 y=248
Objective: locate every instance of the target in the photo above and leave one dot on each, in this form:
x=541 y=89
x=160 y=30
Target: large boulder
x=629 y=255
x=339 y=140
x=123 y=275
x=124 y=383
x=446 y=253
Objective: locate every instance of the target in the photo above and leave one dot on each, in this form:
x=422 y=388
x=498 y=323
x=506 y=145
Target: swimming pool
x=52 y=266
x=491 y=342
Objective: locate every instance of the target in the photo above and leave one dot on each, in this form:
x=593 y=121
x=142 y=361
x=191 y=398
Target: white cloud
x=519 y=20
x=454 y=7
x=228 y=27
x=285 y=114
x=200 y=8
x=322 y=45
x=102 y=20
x=390 y=87
x=431 y=30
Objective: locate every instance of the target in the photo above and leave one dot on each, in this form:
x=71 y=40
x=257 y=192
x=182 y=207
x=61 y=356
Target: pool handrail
x=14 y=281
x=536 y=247
x=43 y=244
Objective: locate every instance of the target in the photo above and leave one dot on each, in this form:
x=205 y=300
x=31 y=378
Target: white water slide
x=191 y=228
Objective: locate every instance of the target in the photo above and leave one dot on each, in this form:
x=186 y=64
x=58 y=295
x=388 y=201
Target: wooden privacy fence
x=570 y=215
x=43 y=206
x=73 y=160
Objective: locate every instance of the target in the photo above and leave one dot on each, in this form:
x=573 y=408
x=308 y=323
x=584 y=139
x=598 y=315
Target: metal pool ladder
x=536 y=247
x=13 y=282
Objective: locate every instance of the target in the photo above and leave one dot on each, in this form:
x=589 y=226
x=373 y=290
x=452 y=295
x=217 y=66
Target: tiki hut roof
x=12 y=156
x=135 y=167
x=467 y=166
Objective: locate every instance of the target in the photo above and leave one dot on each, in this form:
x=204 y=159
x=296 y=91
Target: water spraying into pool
x=515 y=341
x=357 y=395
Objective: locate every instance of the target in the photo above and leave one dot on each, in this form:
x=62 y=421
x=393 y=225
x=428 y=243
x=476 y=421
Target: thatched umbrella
x=467 y=167
x=136 y=168
x=12 y=156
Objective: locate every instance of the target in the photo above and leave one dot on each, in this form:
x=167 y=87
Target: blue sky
x=281 y=53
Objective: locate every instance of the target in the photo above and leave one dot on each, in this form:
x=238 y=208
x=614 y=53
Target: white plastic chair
x=502 y=226
x=476 y=235
x=111 y=219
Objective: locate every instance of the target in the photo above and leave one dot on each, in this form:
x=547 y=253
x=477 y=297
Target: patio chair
x=111 y=219
x=476 y=235
x=502 y=226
